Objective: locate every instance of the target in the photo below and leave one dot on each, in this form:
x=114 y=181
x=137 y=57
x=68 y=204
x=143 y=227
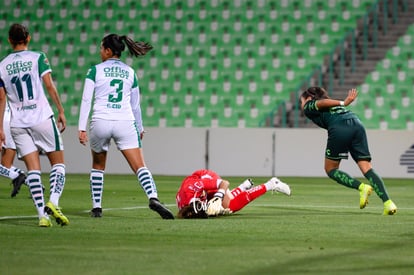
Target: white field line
x=255 y=204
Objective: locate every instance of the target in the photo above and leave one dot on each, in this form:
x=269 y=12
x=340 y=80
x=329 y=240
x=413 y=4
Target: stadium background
x=233 y=64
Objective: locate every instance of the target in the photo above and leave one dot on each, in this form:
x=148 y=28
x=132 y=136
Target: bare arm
x=224 y=185
x=327 y=103
x=54 y=96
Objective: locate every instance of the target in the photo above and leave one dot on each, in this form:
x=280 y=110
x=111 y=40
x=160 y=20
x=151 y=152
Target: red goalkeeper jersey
x=200 y=185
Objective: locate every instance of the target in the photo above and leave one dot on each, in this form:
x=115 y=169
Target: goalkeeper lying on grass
x=204 y=194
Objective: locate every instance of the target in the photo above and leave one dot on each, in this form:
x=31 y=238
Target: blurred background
x=234 y=63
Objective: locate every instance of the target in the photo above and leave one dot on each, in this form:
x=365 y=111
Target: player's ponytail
x=136 y=48
x=117 y=44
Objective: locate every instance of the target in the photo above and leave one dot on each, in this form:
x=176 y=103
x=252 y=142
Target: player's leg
x=101 y=133
x=7 y=159
x=378 y=185
x=34 y=181
x=136 y=161
x=128 y=142
x=341 y=177
x=238 y=199
x=57 y=176
x=130 y=146
x=30 y=156
x=8 y=170
x=361 y=155
x=100 y=139
x=96 y=181
x=337 y=148
x=47 y=138
x=245 y=185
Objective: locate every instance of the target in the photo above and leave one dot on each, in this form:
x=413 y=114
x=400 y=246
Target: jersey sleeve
x=135 y=84
x=43 y=65
x=135 y=104
x=91 y=74
x=310 y=109
x=85 y=108
x=87 y=96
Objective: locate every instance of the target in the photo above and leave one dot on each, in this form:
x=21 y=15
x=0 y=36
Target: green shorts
x=348 y=136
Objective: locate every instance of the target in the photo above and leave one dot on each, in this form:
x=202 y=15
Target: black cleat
x=17 y=183
x=96 y=212
x=165 y=213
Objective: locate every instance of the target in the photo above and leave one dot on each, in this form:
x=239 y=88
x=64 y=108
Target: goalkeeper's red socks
x=242 y=198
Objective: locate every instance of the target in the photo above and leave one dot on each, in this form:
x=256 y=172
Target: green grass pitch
x=318 y=230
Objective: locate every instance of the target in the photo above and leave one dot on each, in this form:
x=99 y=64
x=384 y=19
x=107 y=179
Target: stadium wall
x=243 y=152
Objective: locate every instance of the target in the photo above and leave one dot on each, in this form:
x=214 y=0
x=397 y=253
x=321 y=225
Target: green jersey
x=326 y=118
x=345 y=131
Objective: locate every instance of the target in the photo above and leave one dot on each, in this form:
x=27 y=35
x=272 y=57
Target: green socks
x=344 y=179
x=376 y=182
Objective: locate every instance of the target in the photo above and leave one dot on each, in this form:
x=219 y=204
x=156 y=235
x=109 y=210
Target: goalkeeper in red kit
x=204 y=194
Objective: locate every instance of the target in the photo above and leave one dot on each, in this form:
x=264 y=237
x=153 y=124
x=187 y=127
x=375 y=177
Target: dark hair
x=315 y=93
x=18 y=34
x=117 y=44
x=192 y=211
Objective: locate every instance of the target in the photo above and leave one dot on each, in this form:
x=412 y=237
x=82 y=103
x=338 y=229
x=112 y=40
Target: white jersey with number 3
x=112 y=86
x=22 y=73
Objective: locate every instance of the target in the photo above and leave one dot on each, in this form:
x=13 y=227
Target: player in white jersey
x=113 y=87
x=8 y=154
x=32 y=121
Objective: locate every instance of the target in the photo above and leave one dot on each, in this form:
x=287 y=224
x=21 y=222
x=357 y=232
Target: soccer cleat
x=277 y=185
x=45 y=222
x=17 y=183
x=55 y=211
x=389 y=208
x=96 y=212
x=365 y=191
x=165 y=213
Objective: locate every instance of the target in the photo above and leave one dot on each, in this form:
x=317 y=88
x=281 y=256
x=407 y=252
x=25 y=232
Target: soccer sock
x=242 y=198
x=245 y=185
x=344 y=179
x=17 y=170
x=96 y=181
x=378 y=184
x=34 y=181
x=8 y=172
x=57 y=182
x=147 y=182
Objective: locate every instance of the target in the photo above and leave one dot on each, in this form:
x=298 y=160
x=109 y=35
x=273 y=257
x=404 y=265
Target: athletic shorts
x=44 y=137
x=9 y=144
x=123 y=132
x=349 y=136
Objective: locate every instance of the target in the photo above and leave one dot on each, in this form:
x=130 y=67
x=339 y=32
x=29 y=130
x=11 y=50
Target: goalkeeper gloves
x=214 y=206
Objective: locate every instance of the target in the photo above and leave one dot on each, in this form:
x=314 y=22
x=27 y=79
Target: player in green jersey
x=346 y=134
